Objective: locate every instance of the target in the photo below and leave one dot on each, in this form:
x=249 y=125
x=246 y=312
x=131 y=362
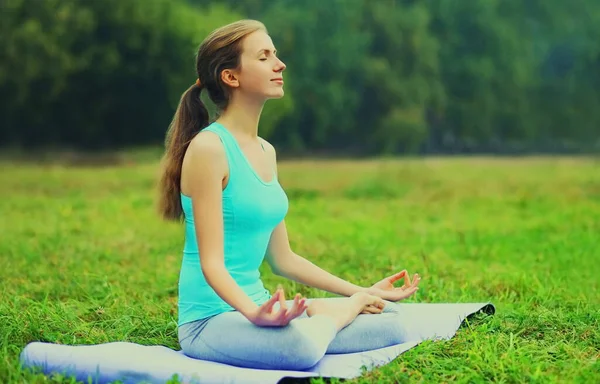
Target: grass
x=84 y=259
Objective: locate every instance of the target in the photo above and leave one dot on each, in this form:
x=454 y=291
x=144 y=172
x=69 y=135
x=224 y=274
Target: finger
x=294 y=312
x=407 y=282
x=298 y=308
x=392 y=279
x=291 y=311
x=282 y=303
x=379 y=304
x=403 y=293
x=409 y=292
x=290 y=315
x=268 y=305
x=294 y=307
x=370 y=309
x=377 y=301
x=303 y=306
x=416 y=281
x=377 y=309
x=281 y=316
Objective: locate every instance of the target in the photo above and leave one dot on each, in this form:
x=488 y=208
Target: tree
x=97 y=74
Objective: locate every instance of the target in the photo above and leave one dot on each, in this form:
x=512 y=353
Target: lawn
x=85 y=259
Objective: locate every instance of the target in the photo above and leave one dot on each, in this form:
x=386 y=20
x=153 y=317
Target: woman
x=221 y=179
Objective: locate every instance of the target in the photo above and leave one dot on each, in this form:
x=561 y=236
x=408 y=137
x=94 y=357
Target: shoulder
x=204 y=160
x=269 y=148
x=206 y=143
x=206 y=147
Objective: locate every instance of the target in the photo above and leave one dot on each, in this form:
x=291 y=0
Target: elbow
x=210 y=269
x=276 y=269
x=277 y=272
x=285 y=267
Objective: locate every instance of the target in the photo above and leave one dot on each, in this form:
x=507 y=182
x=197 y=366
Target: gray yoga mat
x=135 y=363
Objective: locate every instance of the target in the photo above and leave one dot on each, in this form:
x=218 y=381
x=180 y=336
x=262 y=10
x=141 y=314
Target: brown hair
x=219 y=51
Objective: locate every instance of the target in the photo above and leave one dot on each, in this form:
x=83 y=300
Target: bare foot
x=343 y=311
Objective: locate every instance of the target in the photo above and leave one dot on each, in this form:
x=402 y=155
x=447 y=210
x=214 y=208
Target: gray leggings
x=232 y=339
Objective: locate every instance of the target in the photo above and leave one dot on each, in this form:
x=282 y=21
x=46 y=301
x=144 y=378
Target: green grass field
x=84 y=258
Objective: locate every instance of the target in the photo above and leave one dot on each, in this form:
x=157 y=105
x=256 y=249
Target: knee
x=305 y=352
x=399 y=330
x=186 y=347
x=188 y=341
x=308 y=354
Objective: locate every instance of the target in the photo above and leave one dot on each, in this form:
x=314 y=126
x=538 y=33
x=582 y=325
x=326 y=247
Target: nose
x=280 y=67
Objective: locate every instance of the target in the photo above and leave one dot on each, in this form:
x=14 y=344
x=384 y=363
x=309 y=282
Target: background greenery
x=85 y=259
x=363 y=77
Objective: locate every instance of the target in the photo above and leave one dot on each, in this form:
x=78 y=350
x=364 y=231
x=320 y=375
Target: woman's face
x=261 y=72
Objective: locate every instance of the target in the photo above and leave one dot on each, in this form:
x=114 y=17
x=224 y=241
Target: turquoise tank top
x=252 y=208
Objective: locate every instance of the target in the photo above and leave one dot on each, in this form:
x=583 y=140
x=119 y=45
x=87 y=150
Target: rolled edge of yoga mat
x=133 y=363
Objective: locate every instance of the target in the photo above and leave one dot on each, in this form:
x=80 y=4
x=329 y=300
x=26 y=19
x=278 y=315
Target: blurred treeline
x=363 y=76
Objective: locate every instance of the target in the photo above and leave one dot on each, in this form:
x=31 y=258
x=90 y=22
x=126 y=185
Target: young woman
x=220 y=177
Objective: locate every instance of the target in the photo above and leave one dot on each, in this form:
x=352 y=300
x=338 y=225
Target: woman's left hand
x=387 y=291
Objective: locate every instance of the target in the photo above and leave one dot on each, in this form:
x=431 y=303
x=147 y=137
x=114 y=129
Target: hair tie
x=198 y=83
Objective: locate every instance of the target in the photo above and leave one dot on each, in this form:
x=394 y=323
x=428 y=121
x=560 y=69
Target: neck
x=242 y=116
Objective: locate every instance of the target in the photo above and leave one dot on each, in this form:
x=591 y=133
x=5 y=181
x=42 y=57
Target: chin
x=277 y=95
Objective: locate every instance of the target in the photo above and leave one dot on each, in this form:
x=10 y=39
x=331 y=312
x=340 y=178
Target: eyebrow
x=266 y=50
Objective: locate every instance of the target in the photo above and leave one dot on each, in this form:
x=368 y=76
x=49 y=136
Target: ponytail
x=191 y=117
x=220 y=50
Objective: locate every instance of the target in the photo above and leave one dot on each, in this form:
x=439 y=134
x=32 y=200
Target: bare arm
x=203 y=171
x=286 y=263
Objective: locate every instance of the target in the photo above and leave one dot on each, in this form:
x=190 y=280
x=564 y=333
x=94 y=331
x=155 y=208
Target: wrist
x=368 y=290
x=376 y=292
x=249 y=311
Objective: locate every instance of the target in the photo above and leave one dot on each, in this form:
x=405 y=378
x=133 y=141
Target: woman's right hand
x=373 y=304
x=264 y=316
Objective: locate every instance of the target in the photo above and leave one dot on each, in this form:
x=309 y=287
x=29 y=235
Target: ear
x=230 y=78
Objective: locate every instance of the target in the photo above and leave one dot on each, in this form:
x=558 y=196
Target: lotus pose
x=220 y=178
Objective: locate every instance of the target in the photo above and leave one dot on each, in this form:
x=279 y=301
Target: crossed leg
x=230 y=338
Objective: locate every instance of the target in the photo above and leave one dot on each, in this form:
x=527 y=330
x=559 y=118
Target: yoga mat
x=135 y=363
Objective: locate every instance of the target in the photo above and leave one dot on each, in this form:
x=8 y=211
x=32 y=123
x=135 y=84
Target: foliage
x=389 y=76
x=97 y=74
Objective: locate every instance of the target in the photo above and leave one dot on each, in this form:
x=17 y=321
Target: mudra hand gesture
x=266 y=316
x=387 y=291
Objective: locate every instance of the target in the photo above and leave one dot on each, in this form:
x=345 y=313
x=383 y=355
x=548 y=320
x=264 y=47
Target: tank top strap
x=229 y=143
